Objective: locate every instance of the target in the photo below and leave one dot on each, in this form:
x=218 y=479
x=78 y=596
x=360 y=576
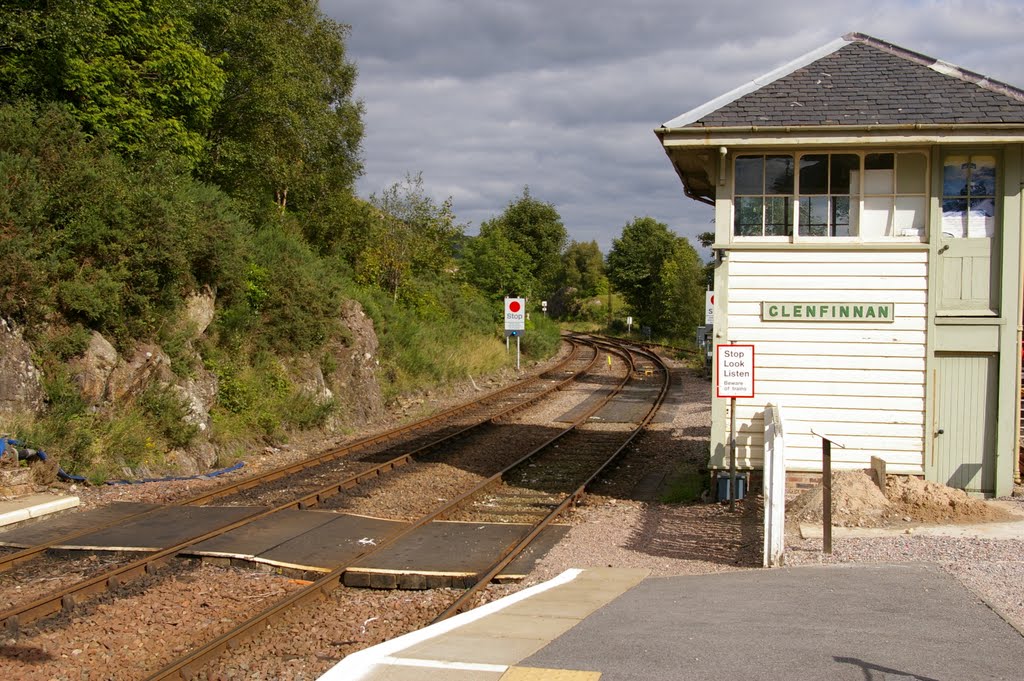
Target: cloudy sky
x=484 y=97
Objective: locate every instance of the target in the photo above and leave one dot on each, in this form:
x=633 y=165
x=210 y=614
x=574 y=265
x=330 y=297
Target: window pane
x=954 y=218
x=983 y=176
x=814 y=174
x=878 y=181
x=911 y=172
x=814 y=216
x=909 y=217
x=877 y=218
x=749 y=174
x=777 y=220
x=879 y=162
x=844 y=171
x=841 y=217
x=981 y=220
x=778 y=175
x=954 y=176
x=748 y=216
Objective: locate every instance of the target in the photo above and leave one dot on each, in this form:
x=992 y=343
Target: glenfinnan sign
x=827 y=312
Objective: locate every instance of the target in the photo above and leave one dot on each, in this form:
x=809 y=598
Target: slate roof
x=861 y=80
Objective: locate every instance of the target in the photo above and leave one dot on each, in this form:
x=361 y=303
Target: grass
x=685 y=485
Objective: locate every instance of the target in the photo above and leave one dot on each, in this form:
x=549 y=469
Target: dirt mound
x=857 y=502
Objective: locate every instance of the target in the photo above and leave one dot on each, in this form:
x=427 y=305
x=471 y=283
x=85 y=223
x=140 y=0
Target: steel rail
x=25 y=555
x=512 y=551
x=66 y=598
x=189 y=664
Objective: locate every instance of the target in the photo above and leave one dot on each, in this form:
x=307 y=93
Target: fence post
x=774 y=485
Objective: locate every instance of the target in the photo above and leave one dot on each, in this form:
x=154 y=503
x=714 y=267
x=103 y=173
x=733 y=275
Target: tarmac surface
x=862 y=622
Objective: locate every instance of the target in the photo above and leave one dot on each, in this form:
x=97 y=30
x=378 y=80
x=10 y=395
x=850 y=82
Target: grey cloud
x=484 y=98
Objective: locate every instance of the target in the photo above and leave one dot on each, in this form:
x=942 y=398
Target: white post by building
x=774 y=487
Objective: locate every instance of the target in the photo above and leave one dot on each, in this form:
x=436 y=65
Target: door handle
x=944 y=249
x=940 y=431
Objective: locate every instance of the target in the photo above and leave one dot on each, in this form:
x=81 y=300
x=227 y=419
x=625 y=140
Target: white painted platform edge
x=360 y=663
x=38 y=510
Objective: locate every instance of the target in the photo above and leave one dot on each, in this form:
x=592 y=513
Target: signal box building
x=868 y=245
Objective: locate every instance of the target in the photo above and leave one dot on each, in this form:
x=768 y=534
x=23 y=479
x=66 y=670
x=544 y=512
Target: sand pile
x=858 y=502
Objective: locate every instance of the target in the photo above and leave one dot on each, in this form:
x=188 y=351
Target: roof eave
x=923 y=132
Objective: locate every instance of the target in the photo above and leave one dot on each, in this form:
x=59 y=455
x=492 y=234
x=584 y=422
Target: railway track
x=563 y=481
x=497 y=405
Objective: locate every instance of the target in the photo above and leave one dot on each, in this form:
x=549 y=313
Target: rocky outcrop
x=132 y=375
x=92 y=370
x=198 y=393
x=353 y=375
x=20 y=386
x=199 y=311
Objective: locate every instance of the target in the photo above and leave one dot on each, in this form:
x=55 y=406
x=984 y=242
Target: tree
x=582 y=279
x=410 y=236
x=288 y=131
x=497 y=265
x=130 y=70
x=636 y=263
x=537 y=229
x=682 y=283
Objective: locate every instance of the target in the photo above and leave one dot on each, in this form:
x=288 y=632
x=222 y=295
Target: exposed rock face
x=92 y=370
x=199 y=311
x=354 y=378
x=148 y=363
x=20 y=387
x=198 y=394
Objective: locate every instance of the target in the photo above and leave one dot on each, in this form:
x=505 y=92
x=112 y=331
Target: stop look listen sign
x=734 y=370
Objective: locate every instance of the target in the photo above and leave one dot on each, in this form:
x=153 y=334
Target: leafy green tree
x=636 y=263
x=287 y=132
x=537 y=229
x=130 y=69
x=682 y=284
x=409 y=236
x=583 y=268
x=497 y=265
x=89 y=239
x=582 y=279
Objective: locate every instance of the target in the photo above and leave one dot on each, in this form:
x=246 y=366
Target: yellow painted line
x=537 y=674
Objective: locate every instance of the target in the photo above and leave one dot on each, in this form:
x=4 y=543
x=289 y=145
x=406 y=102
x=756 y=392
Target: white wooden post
x=774 y=487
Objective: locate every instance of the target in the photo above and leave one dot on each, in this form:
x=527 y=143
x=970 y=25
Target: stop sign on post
x=515 y=315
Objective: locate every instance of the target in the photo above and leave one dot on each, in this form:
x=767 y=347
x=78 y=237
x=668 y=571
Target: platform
x=848 y=622
x=31 y=506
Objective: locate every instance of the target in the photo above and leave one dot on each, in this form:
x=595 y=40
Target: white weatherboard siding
x=862 y=382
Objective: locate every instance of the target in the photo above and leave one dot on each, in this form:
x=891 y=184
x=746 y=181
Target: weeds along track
x=38 y=583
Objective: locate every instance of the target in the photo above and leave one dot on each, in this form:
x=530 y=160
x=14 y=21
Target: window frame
x=857 y=197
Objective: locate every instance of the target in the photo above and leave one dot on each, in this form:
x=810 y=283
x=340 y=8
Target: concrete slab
x=33 y=506
x=535 y=674
x=487 y=642
x=840 y=622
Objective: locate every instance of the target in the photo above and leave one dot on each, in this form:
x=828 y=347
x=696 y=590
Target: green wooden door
x=963 y=455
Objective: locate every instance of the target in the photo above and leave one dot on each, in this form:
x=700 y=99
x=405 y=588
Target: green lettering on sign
x=828 y=312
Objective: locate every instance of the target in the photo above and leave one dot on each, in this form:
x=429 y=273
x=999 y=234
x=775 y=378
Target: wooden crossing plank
x=169 y=526
x=449 y=548
x=330 y=544
x=262 y=535
x=51 y=529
